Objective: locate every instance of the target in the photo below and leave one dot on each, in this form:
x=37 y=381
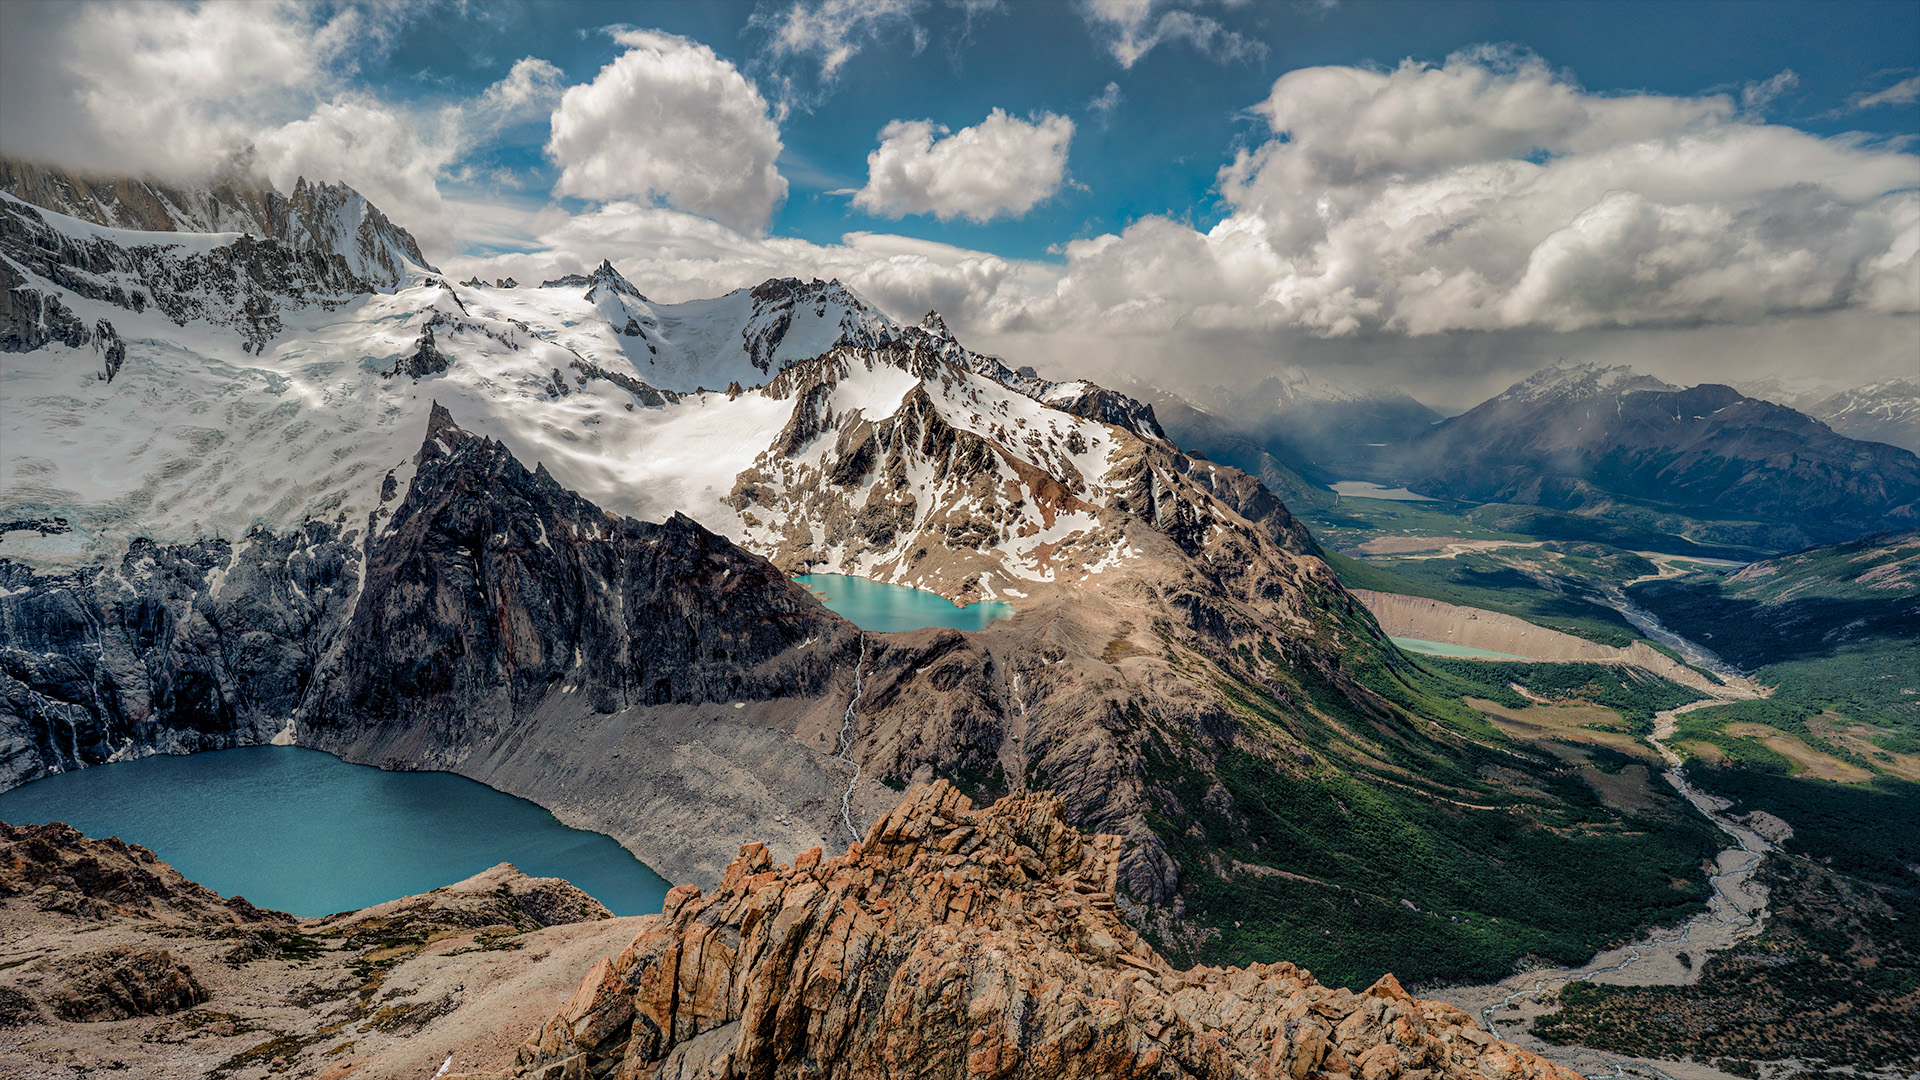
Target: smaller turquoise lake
x=1448 y=648
x=889 y=609
x=301 y=831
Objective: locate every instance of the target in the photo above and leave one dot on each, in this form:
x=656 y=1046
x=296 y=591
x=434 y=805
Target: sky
x=1438 y=197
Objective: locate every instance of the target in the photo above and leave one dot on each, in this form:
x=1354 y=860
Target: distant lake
x=1448 y=648
x=1362 y=489
x=301 y=831
x=887 y=609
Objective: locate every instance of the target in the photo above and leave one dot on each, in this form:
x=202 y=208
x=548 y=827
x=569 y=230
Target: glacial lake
x=301 y=831
x=1362 y=489
x=887 y=609
x=1448 y=648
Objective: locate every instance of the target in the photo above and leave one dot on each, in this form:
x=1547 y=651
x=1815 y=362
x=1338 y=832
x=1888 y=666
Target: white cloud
x=668 y=120
x=169 y=89
x=394 y=158
x=1107 y=101
x=530 y=91
x=826 y=34
x=1488 y=194
x=1000 y=167
x=174 y=91
x=675 y=256
x=1756 y=96
x=1904 y=92
x=1133 y=28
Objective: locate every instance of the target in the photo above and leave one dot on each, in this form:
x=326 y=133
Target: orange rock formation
x=957 y=942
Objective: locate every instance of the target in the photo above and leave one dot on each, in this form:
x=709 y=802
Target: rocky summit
x=960 y=942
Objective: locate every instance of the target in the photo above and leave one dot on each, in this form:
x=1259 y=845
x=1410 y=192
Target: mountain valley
x=270 y=477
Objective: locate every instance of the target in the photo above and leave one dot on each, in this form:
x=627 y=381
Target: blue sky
x=1443 y=195
x=1180 y=112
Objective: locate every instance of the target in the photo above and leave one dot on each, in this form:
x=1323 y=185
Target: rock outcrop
x=56 y=869
x=962 y=942
x=114 y=962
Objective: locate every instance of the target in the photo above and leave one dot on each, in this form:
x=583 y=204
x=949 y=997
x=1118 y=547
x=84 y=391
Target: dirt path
x=1736 y=911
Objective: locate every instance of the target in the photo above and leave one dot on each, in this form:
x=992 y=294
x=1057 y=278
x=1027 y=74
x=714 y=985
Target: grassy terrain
x=1406 y=833
x=1630 y=693
x=1836 y=630
x=1834 y=978
x=1484 y=582
x=1632 y=528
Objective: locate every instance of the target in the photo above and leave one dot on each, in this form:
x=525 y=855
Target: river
x=1736 y=910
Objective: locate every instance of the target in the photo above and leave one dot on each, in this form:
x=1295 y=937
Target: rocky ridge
x=954 y=941
x=66 y=265
x=110 y=960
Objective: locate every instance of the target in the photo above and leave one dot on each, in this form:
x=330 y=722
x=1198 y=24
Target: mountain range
x=1707 y=462
x=541 y=536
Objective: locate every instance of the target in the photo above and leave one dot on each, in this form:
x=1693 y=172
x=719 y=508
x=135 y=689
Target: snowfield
x=646 y=409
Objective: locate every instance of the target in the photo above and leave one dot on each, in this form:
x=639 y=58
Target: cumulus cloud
x=1000 y=167
x=1489 y=194
x=175 y=91
x=530 y=91
x=1133 y=28
x=394 y=158
x=670 y=121
x=169 y=89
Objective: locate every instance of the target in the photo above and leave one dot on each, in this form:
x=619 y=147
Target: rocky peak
x=1571 y=380
x=335 y=219
x=955 y=941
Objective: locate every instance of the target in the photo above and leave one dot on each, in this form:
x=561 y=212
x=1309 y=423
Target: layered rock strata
x=962 y=942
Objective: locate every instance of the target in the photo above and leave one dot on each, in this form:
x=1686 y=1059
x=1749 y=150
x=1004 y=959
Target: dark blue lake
x=873 y=605
x=301 y=831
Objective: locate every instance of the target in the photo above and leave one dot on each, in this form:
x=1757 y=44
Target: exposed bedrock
x=963 y=942
x=177 y=649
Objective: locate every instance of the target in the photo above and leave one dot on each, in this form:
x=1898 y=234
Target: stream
x=1649 y=624
x=1736 y=910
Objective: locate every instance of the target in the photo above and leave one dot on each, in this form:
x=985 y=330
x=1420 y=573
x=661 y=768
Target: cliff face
x=176 y=649
x=963 y=942
x=491 y=585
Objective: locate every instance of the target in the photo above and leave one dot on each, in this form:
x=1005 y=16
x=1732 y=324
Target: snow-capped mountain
x=1570 y=381
x=327 y=219
x=77 y=282
x=543 y=537
x=793 y=417
x=1887 y=412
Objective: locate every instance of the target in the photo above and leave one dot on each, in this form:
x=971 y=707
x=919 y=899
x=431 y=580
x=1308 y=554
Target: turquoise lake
x=1448 y=648
x=301 y=831
x=887 y=609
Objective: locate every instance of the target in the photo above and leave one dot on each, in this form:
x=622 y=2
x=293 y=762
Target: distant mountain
x=1296 y=430
x=1590 y=439
x=1887 y=412
x=1217 y=439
